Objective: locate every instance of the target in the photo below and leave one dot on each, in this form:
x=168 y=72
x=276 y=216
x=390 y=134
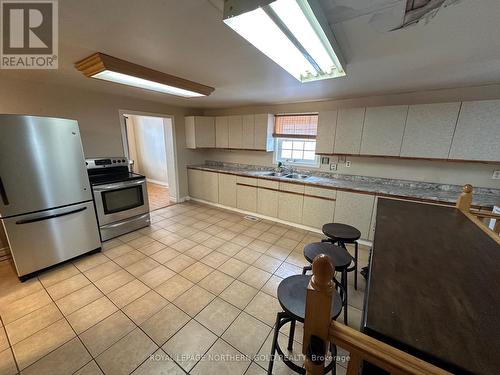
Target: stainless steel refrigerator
x=46 y=205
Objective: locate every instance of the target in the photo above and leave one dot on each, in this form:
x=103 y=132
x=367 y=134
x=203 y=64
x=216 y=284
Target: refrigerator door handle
x=48 y=217
x=5 y=200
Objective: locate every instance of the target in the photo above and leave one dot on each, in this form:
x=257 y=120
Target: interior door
x=41 y=164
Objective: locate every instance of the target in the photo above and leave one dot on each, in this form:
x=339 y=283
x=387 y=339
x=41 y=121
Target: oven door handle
x=118 y=185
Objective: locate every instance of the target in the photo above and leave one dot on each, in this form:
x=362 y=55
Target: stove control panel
x=106 y=162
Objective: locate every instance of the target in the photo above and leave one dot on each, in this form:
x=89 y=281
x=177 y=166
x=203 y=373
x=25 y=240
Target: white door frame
x=170 y=145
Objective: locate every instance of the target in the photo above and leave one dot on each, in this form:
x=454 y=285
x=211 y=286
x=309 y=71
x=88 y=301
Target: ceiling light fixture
x=292 y=33
x=112 y=69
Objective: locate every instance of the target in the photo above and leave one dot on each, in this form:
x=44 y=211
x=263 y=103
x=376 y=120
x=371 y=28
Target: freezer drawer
x=42 y=239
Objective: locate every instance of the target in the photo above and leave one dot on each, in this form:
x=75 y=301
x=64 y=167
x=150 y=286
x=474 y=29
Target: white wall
x=97 y=114
x=419 y=170
x=150 y=149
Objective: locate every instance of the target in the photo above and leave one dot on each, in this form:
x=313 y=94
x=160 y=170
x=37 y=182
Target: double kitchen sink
x=293 y=176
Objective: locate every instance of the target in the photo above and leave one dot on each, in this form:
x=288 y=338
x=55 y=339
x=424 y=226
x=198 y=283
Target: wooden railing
x=318 y=324
x=361 y=347
x=464 y=204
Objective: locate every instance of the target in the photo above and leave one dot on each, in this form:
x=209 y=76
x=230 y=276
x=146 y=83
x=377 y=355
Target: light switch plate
x=333 y=167
x=496 y=175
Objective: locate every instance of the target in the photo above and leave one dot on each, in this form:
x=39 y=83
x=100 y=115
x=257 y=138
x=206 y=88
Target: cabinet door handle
x=5 y=200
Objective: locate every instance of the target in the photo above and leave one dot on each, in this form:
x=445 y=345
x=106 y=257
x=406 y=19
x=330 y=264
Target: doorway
x=149 y=144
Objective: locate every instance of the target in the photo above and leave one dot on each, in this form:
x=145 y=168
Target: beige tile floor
x=199 y=281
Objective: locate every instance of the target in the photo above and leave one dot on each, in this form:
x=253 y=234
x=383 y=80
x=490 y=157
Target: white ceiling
x=459 y=47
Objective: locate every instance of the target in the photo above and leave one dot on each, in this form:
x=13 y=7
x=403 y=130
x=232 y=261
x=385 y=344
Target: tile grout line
x=69 y=324
x=282 y=261
x=11 y=347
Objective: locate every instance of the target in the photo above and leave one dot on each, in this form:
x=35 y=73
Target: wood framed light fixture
x=108 y=68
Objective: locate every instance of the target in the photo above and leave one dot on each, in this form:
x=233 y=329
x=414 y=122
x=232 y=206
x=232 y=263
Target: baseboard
x=296 y=225
x=157 y=182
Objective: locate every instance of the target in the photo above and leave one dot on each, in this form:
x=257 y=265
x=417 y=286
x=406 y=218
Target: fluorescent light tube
x=291 y=14
x=289 y=33
x=258 y=28
x=125 y=79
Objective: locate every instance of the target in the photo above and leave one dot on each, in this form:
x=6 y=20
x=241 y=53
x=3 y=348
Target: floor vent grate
x=251 y=218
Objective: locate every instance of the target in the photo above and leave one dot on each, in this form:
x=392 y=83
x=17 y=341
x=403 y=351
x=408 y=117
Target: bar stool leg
x=344 y=284
x=333 y=350
x=273 y=346
x=291 y=335
x=356 y=265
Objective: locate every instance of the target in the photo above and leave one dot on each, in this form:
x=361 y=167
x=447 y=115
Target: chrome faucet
x=283 y=169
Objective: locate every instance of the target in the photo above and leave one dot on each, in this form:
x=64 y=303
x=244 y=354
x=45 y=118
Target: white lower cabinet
x=246 y=193
x=290 y=207
x=203 y=185
x=227 y=190
x=356 y=210
x=210 y=186
x=195 y=183
x=319 y=206
x=290 y=202
x=267 y=198
x=307 y=205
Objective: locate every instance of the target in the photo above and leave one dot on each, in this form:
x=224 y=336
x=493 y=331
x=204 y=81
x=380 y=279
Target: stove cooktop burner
x=101 y=176
x=103 y=179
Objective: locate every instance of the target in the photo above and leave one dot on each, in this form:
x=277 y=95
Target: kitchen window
x=295 y=139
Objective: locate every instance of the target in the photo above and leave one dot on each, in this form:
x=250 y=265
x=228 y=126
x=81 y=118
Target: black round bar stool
x=343 y=234
x=292 y=298
x=341 y=259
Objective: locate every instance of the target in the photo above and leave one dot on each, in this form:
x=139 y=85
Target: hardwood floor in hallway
x=158 y=196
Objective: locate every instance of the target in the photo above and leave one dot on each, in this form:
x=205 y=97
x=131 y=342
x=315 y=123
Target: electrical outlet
x=348 y=163
x=496 y=175
x=333 y=167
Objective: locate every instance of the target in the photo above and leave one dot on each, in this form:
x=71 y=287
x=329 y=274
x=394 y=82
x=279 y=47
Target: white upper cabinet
x=221 y=132
x=248 y=132
x=429 y=130
x=327 y=124
x=477 y=135
x=200 y=131
x=235 y=125
x=348 y=131
x=263 y=136
x=383 y=130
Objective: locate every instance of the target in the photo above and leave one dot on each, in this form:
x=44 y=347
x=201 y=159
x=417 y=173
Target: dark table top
x=434 y=287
